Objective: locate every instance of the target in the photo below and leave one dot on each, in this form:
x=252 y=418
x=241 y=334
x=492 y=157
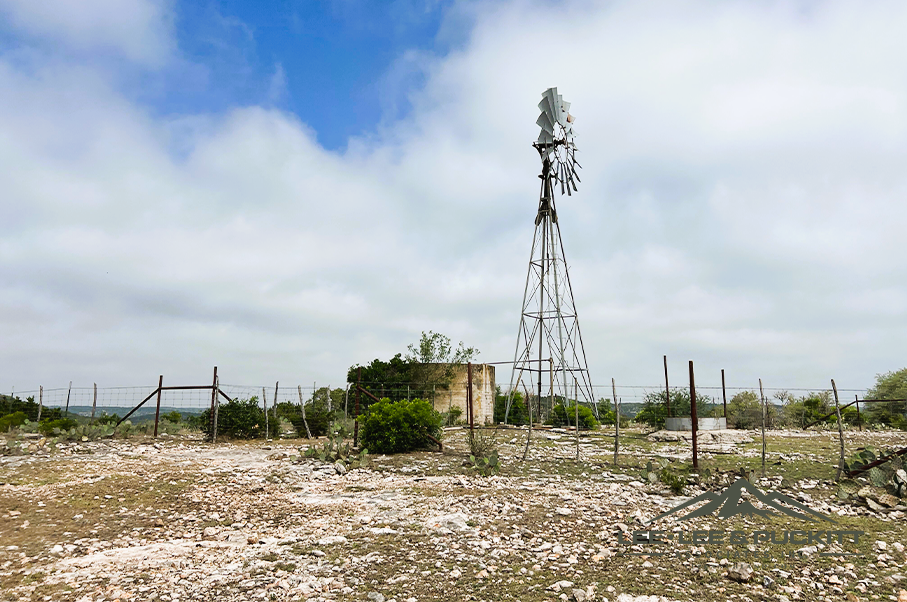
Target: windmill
x=549 y=343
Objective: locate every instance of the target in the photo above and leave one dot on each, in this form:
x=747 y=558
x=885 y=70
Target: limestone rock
x=740 y=572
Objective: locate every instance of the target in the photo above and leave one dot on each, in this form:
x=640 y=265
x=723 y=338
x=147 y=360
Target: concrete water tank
x=685 y=423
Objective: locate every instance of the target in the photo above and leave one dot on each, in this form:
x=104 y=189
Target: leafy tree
x=890 y=385
x=429 y=365
x=654 y=409
x=807 y=409
x=435 y=348
x=239 y=419
x=399 y=426
x=11 y=405
x=518 y=411
x=173 y=417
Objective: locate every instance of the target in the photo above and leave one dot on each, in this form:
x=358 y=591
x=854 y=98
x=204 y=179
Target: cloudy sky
x=286 y=192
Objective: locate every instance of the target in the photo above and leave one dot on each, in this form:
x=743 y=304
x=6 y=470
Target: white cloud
x=138 y=30
x=740 y=206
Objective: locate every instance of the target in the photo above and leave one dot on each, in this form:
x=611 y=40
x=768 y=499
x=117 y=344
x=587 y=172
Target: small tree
x=239 y=419
x=518 y=412
x=891 y=385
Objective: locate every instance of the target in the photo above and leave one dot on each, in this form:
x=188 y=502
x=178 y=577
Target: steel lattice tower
x=549 y=326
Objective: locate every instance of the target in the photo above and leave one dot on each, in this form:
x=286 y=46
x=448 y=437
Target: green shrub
x=318 y=417
x=566 y=416
x=173 y=417
x=11 y=421
x=518 y=413
x=239 y=419
x=452 y=416
x=108 y=419
x=63 y=424
x=402 y=426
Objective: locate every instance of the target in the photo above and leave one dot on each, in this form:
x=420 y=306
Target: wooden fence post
x=66 y=412
x=616 y=419
x=762 y=398
x=40 y=401
x=94 y=403
x=840 y=430
x=304 y=421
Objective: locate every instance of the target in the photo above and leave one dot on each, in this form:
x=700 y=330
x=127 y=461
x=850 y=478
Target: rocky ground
x=178 y=519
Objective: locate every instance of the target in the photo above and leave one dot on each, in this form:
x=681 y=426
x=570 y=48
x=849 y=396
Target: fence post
x=840 y=430
x=694 y=416
x=264 y=399
x=216 y=410
x=157 y=411
x=859 y=418
x=304 y=421
x=40 y=401
x=468 y=394
x=724 y=397
x=94 y=403
x=762 y=398
x=616 y=418
x=66 y=413
x=274 y=409
x=356 y=417
x=576 y=412
x=212 y=422
x=346 y=402
x=667 y=391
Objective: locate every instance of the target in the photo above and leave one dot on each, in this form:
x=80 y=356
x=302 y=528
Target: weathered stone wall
x=482 y=393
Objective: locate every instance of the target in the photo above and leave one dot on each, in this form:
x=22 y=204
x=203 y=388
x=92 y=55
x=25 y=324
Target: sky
x=287 y=189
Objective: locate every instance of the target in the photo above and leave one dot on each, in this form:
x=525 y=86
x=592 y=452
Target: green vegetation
x=394 y=427
x=429 y=365
x=655 y=410
x=335 y=450
x=11 y=421
x=52 y=427
x=239 y=419
x=891 y=385
x=518 y=413
x=566 y=416
x=11 y=405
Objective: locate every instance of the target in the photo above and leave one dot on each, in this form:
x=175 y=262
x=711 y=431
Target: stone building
x=482 y=393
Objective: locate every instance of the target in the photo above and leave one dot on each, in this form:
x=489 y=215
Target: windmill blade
x=551 y=96
x=544 y=122
x=562 y=179
x=545 y=138
x=560 y=114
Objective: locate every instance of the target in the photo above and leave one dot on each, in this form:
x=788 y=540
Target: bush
x=566 y=416
x=173 y=417
x=654 y=408
x=63 y=424
x=317 y=415
x=11 y=421
x=402 y=426
x=239 y=419
x=518 y=413
x=108 y=419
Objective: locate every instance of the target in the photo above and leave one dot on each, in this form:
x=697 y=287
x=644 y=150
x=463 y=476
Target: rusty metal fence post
x=157 y=411
x=694 y=417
